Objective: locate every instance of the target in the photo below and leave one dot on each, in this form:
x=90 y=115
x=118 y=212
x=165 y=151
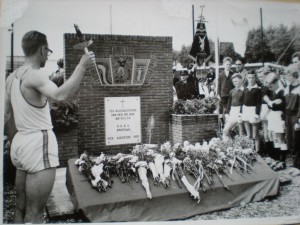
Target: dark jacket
x=225 y=84
x=185 y=90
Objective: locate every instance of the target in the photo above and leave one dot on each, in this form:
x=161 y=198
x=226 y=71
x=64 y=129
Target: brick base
x=193 y=128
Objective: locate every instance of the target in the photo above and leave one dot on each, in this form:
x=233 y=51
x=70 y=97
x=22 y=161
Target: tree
x=279 y=44
x=295 y=35
x=254 y=52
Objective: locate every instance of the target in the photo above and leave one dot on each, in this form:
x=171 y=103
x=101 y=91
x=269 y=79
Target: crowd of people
x=249 y=99
x=262 y=104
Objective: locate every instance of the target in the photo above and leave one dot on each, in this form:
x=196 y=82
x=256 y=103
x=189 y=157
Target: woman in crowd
x=251 y=108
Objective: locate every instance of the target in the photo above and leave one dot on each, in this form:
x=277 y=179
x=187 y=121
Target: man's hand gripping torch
x=83 y=45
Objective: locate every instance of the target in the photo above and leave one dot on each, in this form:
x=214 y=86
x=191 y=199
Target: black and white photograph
x=150 y=112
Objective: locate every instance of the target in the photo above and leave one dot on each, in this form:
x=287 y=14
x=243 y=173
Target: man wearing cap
x=185 y=89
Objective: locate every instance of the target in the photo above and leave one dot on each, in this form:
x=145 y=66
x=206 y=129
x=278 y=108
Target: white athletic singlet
x=34 y=147
x=27 y=116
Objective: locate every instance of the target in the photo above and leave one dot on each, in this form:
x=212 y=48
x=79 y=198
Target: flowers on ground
x=205 y=162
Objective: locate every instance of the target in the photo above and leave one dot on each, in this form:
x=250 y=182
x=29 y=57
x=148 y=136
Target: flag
x=200 y=51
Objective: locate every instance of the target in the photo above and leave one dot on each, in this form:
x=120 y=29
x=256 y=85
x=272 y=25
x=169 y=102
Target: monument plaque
x=122 y=120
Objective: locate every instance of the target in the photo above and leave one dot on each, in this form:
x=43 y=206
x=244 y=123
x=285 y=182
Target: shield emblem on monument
x=121 y=66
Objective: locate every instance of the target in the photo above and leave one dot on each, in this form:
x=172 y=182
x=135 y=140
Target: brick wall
x=156 y=92
x=193 y=128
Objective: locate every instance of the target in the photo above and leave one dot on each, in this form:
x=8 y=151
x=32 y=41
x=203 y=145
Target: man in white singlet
x=34 y=150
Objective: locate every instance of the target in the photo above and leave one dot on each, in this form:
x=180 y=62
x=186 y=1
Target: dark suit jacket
x=185 y=90
x=225 y=84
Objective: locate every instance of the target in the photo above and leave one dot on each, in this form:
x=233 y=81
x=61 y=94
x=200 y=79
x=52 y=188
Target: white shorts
x=249 y=114
x=264 y=112
x=275 y=122
x=234 y=114
x=34 y=151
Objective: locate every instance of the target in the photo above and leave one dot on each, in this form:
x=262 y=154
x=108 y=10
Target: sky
x=230 y=20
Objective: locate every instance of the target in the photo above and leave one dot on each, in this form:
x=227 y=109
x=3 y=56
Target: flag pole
x=262 y=36
x=193 y=18
x=217 y=53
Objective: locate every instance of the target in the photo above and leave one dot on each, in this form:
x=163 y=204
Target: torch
x=83 y=44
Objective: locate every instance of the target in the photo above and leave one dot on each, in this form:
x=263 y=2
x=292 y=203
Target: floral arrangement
x=195 y=106
x=64 y=115
x=167 y=163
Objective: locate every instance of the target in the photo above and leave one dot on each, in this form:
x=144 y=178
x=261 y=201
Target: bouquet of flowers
x=195 y=106
x=64 y=115
x=167 y=163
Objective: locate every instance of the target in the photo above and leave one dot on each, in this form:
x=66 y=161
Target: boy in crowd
x=292 y=110
x=262 y=74
x=234 y=109
x=276 y=104
x=225 y=85
x=251 y=108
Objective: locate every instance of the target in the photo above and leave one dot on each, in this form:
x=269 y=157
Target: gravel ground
x=286 y=203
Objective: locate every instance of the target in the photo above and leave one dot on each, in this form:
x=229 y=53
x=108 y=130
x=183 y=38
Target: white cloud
x=12 y=10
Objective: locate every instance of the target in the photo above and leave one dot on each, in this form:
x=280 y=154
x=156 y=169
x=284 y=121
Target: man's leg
x=289 y=133
x=20 y=186
x=228 y=127
x=38 y=189
x=255 y=136
x=247 y=128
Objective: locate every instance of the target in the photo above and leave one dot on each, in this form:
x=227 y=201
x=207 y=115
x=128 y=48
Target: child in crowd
x=276 y=103
x=251 y=108
x=212 y=92
x=202 y=89
x=234 y=108
x=224 y=86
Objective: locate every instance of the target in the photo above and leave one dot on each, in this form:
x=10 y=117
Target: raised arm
x=47 y=88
